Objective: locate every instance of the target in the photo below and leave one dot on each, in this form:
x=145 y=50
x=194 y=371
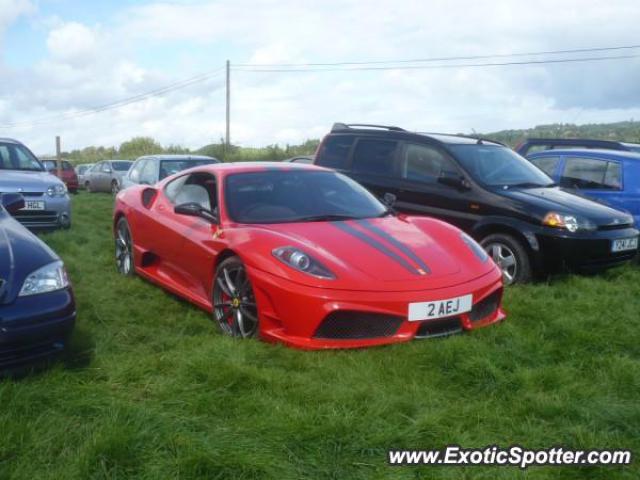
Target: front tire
x=115 y=188
x=124 y=248
x=234 y=305
x=87 y=186
x=511 y=256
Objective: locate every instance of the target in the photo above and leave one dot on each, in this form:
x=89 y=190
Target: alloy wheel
x=124 y=249
x=234 y=304
x=506 y=260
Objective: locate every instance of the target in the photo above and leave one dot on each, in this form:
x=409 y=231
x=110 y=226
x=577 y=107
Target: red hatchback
x=302 y=255
x=67 y=174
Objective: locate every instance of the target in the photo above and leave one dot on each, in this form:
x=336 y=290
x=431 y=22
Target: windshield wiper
x=324 y=218
x=528 y=185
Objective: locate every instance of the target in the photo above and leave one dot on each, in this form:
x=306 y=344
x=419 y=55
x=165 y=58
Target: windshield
x=121 y=166
x=16 y=157
x=297 y=196
x=169 y=167
x=499 y=166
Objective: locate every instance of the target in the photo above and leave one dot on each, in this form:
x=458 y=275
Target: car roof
x=9 y=140
x=243 y=167
x=179 y=157
x=401 y=133
x=588 y=152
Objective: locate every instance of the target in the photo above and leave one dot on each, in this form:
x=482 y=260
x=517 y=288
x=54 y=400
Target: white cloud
x=92 y=65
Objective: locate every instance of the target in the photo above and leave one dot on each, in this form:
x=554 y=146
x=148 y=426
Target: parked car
x=611 y=177
x=304 y=256
x=81 y=171
x=66 y=173
x=106 y=176
x=300 y=159
x=532 y=145
x=47 y=204
x=37 y=307
x=151 y=169
x=526 y=223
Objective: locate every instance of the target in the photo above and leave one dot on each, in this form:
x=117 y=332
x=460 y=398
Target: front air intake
x=347 y=325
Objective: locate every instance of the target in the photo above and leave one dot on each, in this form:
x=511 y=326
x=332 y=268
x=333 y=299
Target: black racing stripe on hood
x=366 y=224
x=372 y=242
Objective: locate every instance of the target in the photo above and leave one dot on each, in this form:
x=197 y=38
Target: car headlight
x=58 y=190
x=302 y=262
x=572 y=223
x=46 y=279
x=475 y=247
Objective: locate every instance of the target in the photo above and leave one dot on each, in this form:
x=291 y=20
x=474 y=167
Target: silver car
x=47 y=203
x=153 y=168
x=106 y=176
x=81 y=171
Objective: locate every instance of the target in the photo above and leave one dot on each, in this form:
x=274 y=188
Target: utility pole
x=227 y=139
x=58 y=156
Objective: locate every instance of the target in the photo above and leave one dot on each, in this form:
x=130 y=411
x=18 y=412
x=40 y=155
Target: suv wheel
x=510 y=256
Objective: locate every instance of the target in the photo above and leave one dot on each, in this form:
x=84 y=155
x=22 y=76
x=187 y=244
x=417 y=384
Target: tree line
x=628 y=131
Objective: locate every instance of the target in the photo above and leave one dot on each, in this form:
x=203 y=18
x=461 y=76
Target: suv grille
x=486 y=307
x=615 y=226
x=350 y=324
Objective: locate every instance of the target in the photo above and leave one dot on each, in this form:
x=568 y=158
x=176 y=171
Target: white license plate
x=439 y=308
x=624 y=244
x=33 y=205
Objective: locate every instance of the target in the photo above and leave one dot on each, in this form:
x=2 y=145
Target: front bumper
x=56 y=214
x=583 y=251
x=33 y=328
x=293 y=314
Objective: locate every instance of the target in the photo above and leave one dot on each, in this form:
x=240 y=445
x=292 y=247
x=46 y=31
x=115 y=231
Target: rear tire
x=124 y=248
x=511 y=256
x=115 y=188
x=87 y=186
x=234 y=304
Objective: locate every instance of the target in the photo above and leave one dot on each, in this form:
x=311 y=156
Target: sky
x=60 y=57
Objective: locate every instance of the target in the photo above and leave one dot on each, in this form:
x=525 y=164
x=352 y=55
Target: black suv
x=525 y=222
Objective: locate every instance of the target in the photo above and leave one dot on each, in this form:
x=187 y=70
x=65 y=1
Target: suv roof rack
x=347 y=126
x=479 y=140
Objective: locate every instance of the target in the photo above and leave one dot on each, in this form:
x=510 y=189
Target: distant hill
x=623 y=131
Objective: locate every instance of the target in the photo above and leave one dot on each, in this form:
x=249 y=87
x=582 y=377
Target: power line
x=119 y=103
x=443 y=59
x=435 y=67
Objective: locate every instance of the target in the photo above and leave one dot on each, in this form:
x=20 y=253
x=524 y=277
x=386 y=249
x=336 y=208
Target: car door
x=104 y=179
x=598 y=178
x=422 y=170
x=183 y=243
x=374 y=163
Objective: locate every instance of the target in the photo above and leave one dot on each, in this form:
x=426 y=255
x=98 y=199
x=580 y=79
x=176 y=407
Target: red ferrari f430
x=303 y=255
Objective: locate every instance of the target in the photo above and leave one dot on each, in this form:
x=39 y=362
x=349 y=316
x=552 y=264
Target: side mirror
x=193 y=209
x=453 y=179
x=12 y=202
x=389 y=199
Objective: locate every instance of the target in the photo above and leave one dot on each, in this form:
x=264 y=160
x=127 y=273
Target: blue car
x=37 y=307
x=609 y=176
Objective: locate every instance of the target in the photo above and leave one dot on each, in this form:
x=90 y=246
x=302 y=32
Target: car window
x=120 y=166
x=591 y=173
x=106 y=168
x=374 y=156
x=136 y=168
x=66 y=166
x=16 y=157
x=148 y=172
x=424 y=163
x=49 y=164
x=547 y=164
x=169 y=167
x=199 y=187
x=334 y=151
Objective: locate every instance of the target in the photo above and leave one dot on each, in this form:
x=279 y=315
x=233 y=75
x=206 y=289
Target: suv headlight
x=572 y=223
x=302 y=262
x=58 y=190
x=46 y=279
x=475 y=247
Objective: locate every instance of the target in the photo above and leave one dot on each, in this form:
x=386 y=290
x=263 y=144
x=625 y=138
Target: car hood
x=390 y=253
x=548 y=199
x=20 y=181
x=21 y=253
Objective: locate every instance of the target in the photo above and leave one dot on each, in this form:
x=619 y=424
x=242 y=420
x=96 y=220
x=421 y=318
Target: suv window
x=591 y=173
x=423 y=163
x=334 y=151
x=547 y=164
x=374 y=156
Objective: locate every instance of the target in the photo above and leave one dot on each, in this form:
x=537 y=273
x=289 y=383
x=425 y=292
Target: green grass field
x=150 y=389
